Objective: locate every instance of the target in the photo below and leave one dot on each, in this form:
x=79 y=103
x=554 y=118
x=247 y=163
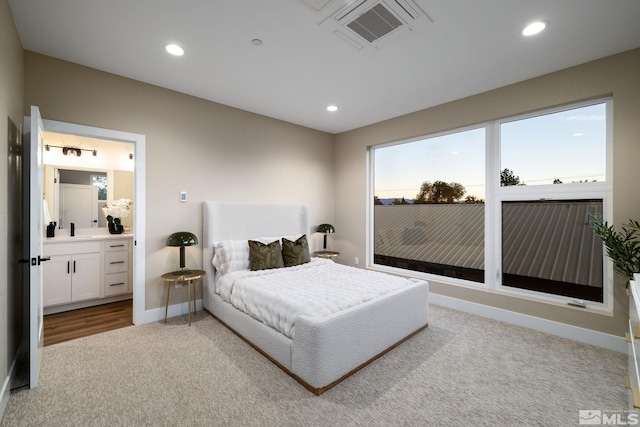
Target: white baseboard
x=6 y=388
x=157 y=314
x=587 y=336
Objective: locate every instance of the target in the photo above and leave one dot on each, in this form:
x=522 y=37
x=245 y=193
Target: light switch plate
x=183 y=196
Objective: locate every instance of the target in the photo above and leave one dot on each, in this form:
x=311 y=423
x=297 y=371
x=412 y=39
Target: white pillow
x=217 y=263
x=231 y=255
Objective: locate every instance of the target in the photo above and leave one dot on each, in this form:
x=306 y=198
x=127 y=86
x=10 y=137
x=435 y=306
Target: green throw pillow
x=295 y=253
x=262 y=257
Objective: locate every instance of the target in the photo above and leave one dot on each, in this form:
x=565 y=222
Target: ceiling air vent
x=375 y=23
x=366 y=23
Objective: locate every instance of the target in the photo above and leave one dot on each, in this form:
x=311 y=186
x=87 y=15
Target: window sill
x=561 y=302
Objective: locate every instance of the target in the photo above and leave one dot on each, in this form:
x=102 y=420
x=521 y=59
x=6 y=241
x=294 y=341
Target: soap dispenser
x=51 y=229
x=73 y=229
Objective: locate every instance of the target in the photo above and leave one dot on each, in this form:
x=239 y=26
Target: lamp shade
x=325 y=228
x=182 y=239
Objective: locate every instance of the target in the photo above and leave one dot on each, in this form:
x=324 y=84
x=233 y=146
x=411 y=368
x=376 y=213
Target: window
x=100 y=181
x=429 y=215
x=549 y=246
x=526 y=185
x=556 y=148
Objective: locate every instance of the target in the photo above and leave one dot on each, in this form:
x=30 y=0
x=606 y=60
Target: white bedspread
x=277 y=297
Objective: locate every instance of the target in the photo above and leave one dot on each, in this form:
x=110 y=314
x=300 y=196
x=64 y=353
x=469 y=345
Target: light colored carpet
x=462 y=370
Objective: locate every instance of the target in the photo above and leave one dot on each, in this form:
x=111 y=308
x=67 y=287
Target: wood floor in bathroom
x=69 y=325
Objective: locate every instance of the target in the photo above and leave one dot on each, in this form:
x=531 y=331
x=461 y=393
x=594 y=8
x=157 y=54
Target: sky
x=566 y=145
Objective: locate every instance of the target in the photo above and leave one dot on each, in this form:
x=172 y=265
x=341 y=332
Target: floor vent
x=367 y=23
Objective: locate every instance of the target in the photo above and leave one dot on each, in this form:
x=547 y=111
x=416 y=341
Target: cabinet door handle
x=117 y=284
x=116 y=246
x=68 y=267
x=74 y=266
x=117 y=262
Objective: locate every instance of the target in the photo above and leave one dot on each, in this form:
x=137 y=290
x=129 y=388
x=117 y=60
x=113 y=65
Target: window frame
x=495 y=195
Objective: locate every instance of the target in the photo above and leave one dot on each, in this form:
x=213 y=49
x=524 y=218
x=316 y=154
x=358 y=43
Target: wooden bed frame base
x=314 y=390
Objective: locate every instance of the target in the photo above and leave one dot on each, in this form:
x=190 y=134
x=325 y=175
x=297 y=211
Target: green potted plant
x=623 y=248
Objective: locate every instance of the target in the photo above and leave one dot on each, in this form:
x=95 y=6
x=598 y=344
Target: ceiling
x=459 y=48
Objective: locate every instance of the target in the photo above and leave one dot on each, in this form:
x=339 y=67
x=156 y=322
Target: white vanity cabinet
x=72 y=273
x=86 y=270
x=117 y=271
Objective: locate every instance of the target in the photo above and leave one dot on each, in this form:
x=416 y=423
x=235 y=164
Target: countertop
x=86 y=237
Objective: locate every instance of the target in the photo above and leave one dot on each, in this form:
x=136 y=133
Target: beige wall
x=212 y=151
x=618 y=75
x=11 y=92
x=123 y=189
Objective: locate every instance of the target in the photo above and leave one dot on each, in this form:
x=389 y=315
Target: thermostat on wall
x=183 y=196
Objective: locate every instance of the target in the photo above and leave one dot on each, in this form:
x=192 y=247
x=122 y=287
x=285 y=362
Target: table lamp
x=326 y=229
x=182 y=239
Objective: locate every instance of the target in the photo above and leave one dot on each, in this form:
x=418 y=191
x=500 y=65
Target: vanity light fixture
x=174 y=49
x=71 y=151
x=534 y=28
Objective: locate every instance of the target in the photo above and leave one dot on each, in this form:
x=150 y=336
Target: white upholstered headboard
x=235 y=221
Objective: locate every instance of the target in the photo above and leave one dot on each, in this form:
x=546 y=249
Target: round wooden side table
x=187 y=275
x=326 y=254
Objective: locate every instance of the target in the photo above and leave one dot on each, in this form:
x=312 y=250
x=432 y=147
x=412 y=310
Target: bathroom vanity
x=90 y=268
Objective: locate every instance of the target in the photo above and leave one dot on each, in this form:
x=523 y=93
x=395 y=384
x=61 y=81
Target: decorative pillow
x=295 y=253
x=267 y=240
x=262 y=257
x=231 y=255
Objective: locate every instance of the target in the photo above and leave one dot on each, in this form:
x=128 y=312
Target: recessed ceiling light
x=174 y=49
x=332 y=108
x=257 y=42
x=534 y=28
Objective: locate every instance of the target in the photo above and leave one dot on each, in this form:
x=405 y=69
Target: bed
x=319 y=351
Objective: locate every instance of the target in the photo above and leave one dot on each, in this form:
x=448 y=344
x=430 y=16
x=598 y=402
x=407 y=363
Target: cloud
x=583 y=118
